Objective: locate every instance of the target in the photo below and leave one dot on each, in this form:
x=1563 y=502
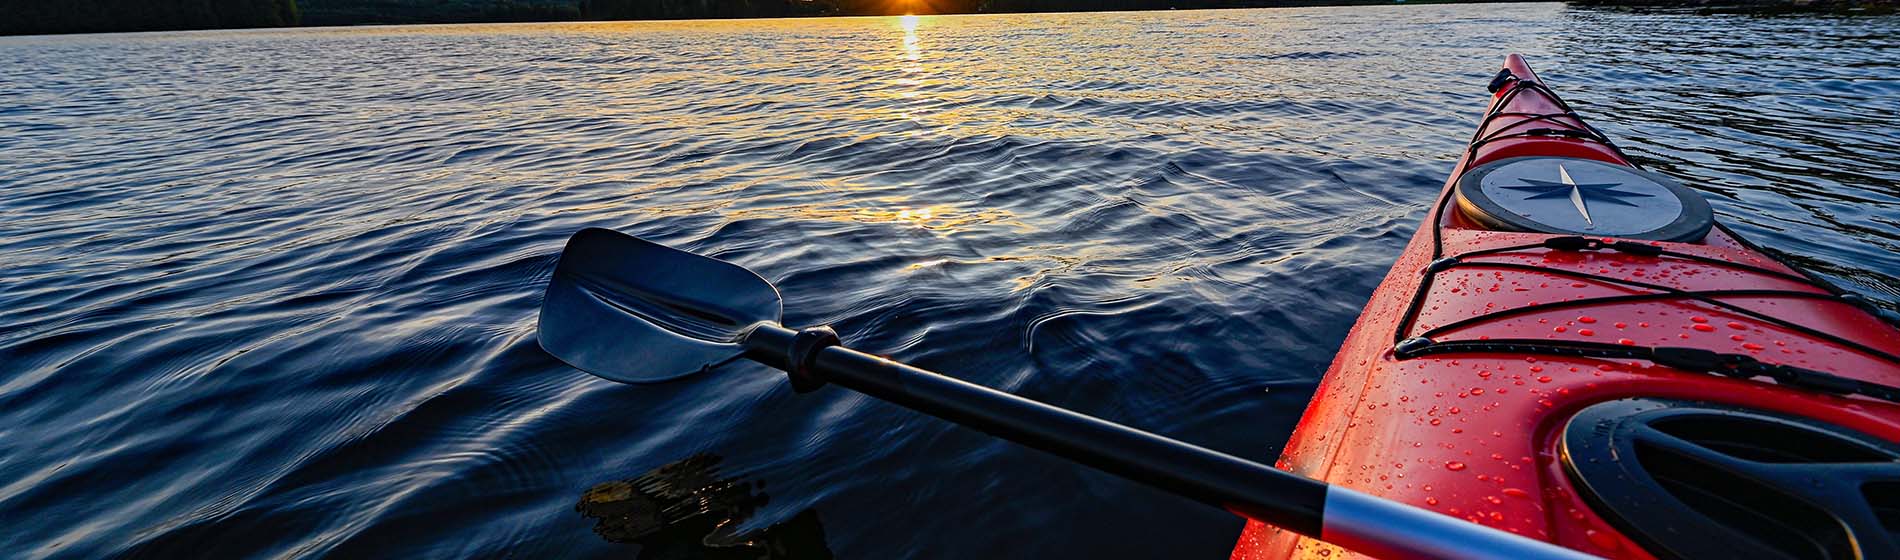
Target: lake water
x=273 y=293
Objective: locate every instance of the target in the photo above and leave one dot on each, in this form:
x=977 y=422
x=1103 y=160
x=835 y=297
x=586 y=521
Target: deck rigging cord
x=1568 y=124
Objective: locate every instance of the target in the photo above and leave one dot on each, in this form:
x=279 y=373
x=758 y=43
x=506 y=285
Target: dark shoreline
x=658 y=10
x=1751 y=7
x=98 y=16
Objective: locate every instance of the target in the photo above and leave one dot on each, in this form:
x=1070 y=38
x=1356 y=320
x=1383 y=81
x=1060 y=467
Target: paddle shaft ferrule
x=802 y=353
x=1367 y=524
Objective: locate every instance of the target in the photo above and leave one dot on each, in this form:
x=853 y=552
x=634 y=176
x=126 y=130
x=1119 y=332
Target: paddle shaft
x=1359 y=522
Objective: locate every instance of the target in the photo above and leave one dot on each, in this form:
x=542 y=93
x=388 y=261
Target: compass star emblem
x=1578 y=193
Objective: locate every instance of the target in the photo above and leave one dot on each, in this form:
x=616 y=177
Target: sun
x=922 y=7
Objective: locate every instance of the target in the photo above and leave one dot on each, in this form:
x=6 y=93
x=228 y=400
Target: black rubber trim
x=1689 y=479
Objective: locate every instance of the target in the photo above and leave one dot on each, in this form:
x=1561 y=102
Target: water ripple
x=272 y=293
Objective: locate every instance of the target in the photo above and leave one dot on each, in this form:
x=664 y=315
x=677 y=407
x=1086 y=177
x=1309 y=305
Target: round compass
x=1582 y=197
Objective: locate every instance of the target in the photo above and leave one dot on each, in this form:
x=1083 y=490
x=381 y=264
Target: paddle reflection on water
x=686 y=510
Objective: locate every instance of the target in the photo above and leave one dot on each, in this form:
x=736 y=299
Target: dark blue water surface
x=274 y=293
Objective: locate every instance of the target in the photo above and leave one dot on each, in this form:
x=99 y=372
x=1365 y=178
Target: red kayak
x=1572 y=349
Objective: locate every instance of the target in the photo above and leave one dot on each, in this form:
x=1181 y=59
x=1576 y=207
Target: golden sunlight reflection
x=939 y=218
x=1044 y=266
x=927 y=264
x=910 y=58
x=912 y=51
x=943 y=219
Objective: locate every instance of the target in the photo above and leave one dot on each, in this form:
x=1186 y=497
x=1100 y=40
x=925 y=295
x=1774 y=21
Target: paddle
x=634 y=311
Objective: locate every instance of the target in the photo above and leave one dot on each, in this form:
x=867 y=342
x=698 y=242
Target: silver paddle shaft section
x=634 y=311
x=1385 y=529
x=1359 y=522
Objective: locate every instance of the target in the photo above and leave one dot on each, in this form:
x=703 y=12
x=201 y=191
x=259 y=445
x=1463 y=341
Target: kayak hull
x=1475 y=435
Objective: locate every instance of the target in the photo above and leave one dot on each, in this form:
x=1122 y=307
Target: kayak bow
x=1573 y=349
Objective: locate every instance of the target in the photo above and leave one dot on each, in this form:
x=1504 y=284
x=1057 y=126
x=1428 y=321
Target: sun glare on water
x=912 y=50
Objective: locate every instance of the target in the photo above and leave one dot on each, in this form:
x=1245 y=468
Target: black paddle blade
x=635 y=311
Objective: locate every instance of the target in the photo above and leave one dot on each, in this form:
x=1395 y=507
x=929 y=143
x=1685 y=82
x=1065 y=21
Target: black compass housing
x=1582 y=197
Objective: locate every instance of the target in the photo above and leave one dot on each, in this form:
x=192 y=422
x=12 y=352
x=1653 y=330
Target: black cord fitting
x=1570 y=243
x=1441 y=265
x=1503 y=78
x=1578 y=243
x=1634 y=248
x=1815 y=380
x=1689 y=359
x=1410 y=347
x=803 y=353
x=1558 y=132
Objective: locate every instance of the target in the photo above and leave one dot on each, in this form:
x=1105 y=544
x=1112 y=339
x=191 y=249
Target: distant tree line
x=1127 y=5
x=80 y=16
x=359 y=12
x=22 y=17
x=684 y=9
x=1758 y=7
x=697 y=9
